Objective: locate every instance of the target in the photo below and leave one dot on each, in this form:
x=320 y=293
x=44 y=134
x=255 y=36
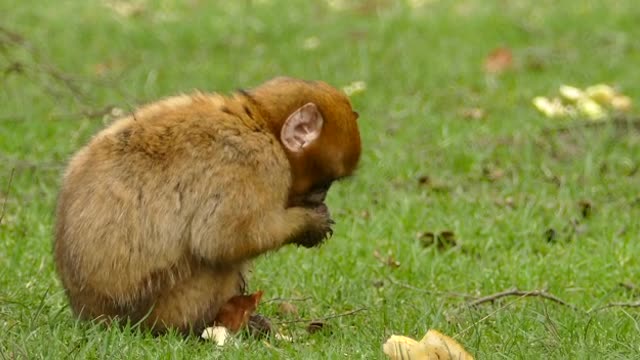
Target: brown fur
x=159 y=215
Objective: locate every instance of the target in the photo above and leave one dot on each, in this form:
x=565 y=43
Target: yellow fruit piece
x=601 y=93
x=217 y=334
x=434 y=345
x=621 y=103
x=571 y=93
x=441 y=346
x=550 y=108
x=401 y=347
x=591 y=109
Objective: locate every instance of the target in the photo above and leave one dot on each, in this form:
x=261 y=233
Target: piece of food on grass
x=601 y=93
x=591 y=109
x=570 y=93
x=217 y=334
x=434 y=345
x=550 y=108
x=621 y=103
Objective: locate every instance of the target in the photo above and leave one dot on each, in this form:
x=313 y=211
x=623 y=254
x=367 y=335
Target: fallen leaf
x=426 y=238
x=498 y=61
x=473 y=113
x=508 y=202
x=585 y=208
x=493 y=173
x=389 y=261
x=287 y=308
x=424 y=180
x=443 y=240
x=315 y=326
x=236 y=312
x=446 y=240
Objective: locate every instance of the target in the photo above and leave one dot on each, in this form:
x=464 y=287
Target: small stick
x=323 y=318
x=282 y=299
x=618 y=304
x=506 y=293
x=515 y=292
x=6 y=196
x=616 y=122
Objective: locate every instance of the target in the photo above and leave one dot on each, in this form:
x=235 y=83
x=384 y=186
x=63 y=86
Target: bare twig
x=617 y=304
x=617 y=122
x=515 y=292
x=281 y=299
x=348 y=313
x=442 y=293
x=6 y=195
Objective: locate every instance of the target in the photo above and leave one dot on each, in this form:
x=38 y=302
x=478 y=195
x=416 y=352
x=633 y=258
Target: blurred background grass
x=447 y=147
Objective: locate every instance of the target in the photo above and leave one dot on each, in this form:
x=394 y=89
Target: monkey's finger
x=330 y=232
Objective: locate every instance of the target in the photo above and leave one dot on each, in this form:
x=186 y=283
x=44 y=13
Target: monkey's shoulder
x=207 y=127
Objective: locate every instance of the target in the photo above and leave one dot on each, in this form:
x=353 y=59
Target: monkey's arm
x=249 y=217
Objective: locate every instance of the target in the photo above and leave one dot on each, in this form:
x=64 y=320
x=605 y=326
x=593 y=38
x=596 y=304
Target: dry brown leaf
x=315 y=326
x=287 y=308
x=389 y=261
x=499 y=60
x=473 y=113
x=236 y=312
x=443 y=240
x=585 y=208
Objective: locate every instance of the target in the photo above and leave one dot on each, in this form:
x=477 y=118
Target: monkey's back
x=128 y=198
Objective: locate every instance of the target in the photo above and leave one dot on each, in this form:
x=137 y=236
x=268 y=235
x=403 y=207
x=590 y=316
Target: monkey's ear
x=302 y=127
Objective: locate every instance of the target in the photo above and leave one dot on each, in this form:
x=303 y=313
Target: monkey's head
x=318 y=130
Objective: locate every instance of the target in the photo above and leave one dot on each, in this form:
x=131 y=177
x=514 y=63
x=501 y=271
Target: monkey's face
x=313 y=198
x=319 y=134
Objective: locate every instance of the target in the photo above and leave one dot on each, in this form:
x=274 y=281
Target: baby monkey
x=160 y=214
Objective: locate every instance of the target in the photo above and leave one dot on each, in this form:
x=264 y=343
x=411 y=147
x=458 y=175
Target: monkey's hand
x=318 y=229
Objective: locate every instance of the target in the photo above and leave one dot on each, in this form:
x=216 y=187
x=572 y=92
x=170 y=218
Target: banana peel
x=434 y=345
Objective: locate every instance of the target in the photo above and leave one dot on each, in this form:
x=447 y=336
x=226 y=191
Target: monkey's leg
x=192 y=304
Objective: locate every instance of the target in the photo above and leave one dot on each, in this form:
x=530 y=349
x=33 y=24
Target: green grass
x=422 y=68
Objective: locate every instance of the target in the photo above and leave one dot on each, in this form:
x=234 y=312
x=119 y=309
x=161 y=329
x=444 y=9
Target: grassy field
x=525 y=201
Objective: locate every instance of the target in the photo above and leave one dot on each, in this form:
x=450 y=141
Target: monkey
x=160 y=214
